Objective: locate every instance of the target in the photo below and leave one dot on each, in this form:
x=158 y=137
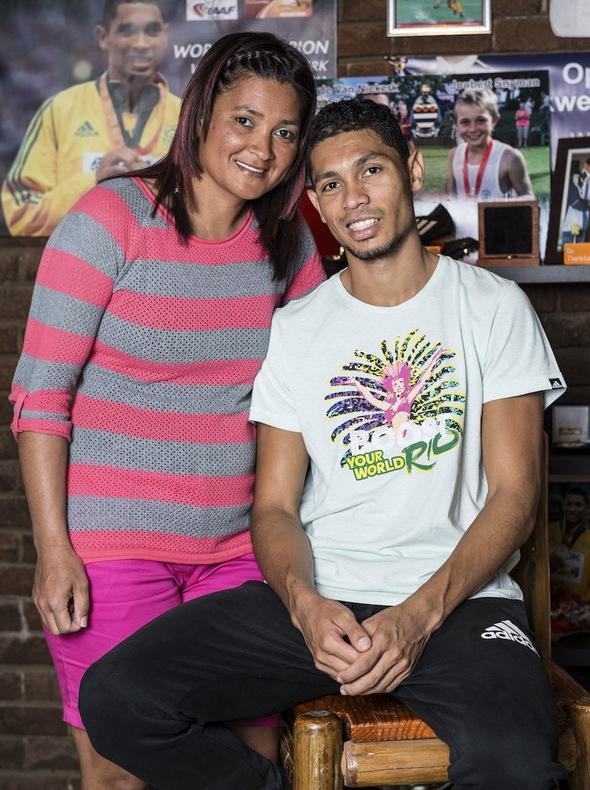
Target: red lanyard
x=480 y=171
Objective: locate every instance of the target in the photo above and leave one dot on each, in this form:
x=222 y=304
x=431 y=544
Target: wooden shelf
x=544 y=274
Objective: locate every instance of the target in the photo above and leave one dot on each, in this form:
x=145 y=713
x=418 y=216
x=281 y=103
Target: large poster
x=569 y=82
x=569 y=547
x=484 y=137
x=62 y=126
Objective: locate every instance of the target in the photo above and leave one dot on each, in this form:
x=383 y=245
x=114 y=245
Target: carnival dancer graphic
x=412 y=381
x=397 y=403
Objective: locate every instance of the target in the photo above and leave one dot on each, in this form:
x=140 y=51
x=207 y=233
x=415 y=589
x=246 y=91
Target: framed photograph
x=438 y=17
x=434 y=112
x=569 y=221
x=569 y=554
x=508 y=233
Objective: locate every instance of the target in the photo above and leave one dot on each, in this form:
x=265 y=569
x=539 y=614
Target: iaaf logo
x=507 y=630
x=208 y=10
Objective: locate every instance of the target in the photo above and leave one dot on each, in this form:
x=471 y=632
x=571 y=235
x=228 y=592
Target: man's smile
x=363 y=228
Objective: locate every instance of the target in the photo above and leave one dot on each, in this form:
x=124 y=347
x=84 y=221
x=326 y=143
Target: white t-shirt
x=389 y=403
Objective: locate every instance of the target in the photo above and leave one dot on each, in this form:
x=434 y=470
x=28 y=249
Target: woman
x=149 y=321
x=399 y=395
x=522 y=119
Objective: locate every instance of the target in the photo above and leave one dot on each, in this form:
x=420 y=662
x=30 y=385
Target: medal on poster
x=112 y=120
x=480 y=171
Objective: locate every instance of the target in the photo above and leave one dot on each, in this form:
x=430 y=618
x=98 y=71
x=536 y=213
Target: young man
x=122 y=121
x=414 y=385
x=480 y=167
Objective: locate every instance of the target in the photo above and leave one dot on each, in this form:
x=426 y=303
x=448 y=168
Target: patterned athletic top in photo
x=142 y=351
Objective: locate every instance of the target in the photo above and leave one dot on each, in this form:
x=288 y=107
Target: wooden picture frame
x=567 y=198
x=438 y=17
x=508 y=233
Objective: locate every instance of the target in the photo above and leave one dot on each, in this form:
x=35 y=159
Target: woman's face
x=252 y=141
x=398 y=386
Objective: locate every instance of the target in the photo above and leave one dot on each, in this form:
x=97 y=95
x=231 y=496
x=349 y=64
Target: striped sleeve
x=309 y=272
x=73 y=287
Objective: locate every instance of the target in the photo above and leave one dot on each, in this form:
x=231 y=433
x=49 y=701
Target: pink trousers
x=124 y=596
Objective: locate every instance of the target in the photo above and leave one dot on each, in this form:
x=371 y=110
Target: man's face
x=475 y=124
x=363 y=194
x=135 y=40
x=574 y=508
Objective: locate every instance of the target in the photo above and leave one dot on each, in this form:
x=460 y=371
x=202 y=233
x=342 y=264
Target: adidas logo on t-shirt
x=86 y=130
x=555 y=384
x=507 y=630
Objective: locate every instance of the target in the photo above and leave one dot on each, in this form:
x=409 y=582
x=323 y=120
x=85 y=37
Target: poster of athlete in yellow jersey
x=120 y=121
x=569 y=557
x=93 y=91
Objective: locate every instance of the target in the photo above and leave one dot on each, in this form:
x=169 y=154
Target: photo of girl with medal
x=480 y=167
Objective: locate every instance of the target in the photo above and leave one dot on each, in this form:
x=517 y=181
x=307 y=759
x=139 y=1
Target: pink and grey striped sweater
x=142 y=352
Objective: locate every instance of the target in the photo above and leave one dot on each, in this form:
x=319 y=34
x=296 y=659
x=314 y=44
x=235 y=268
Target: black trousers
x=157 y=703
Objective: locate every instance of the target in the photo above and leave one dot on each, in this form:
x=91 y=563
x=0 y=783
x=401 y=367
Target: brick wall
x=35 y=753
x=518 y=26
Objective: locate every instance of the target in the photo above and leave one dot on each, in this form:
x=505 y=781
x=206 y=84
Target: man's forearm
x=331 y=632
x=284 y=555
x=502 y=526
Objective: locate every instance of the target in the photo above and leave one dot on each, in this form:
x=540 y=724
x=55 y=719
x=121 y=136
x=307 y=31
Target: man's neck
x=390 y=281
x=218 y=214
x=132 y=90
x=572 y=533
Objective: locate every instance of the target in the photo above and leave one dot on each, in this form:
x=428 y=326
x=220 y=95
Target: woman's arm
x=60 y=588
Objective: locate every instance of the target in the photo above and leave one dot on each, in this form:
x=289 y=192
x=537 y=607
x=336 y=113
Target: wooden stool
x=377 y=740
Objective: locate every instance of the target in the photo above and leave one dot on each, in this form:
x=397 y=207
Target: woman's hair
x=229 y=60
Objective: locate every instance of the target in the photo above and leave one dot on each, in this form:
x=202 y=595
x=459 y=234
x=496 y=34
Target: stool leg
x=317 y=750
x=580 y=714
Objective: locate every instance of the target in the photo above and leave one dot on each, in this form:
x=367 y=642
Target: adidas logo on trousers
x=507 y=630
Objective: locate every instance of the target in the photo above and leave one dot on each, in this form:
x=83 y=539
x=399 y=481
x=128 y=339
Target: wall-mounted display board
x=560 y=109
x=52 y=142
x=569 y=229
x=484 y=137
x=568 y=101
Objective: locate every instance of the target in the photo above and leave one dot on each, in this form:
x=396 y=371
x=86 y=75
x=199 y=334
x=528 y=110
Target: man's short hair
x=355 y=115
x=110 y=7
x=479 y=97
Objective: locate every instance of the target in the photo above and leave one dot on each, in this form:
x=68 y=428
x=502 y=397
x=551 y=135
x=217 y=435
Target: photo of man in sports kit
x=120 y=122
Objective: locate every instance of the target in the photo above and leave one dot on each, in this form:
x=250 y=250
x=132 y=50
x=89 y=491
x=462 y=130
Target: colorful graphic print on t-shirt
x=398 y=408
